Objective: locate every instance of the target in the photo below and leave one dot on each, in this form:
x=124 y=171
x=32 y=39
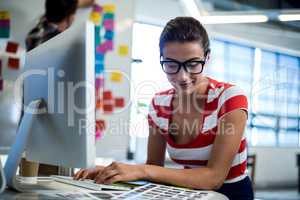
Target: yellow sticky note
x=4 y=15
x=109 y=8
x=116 y=76
x=95 y=17
x=123 y=50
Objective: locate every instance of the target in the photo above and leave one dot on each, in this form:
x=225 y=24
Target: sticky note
x=12 y=47
x=109 y=35
x=108 y=24
x=101 y=49
x=100 y=125
x=97 y=35
x=109 y=44
x=4 y=15
x=107 y=95
x=4 y=23
x=99 y=82
x=104 y=47
x=116 y=76
x=99 y=104
x=1 y=84
x=98 y=134
x=107 y=108
x=99 y=58
x=123 y=50
x=97 y=8
x=109 y=8
x=13 y=63
x=99 y=68
x=108 y=16
x=119 y=102
x=4 y=32
x=95 y=17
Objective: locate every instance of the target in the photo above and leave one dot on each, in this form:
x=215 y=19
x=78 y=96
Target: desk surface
x=63 y=188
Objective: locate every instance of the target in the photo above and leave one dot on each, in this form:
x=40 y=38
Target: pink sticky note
x=108 y=24
x=4 y=23
x=105 y=46
x=101 y=48
x=99 y=82
x=109 y=45
x=98 y=134
x=97 y=8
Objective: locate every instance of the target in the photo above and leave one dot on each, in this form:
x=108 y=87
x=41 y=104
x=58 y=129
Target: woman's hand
x=88 y=173
x=120 y=172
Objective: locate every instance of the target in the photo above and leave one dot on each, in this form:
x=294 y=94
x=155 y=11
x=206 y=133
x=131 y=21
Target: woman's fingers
x=113 y=179
x=102 y=177
x=88 y=173
x=78 y=175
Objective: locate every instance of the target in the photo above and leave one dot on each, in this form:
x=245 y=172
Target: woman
x=200 y=122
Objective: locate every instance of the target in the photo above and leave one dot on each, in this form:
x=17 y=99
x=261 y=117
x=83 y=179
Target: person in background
x=59 y=16
x=199 y=121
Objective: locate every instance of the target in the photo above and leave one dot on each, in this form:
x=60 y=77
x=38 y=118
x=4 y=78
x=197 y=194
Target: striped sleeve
x=157 y=116
x=152 y=115
x=232 y=98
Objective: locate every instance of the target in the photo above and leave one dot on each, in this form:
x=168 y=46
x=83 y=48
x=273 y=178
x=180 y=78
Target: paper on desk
x=74 y=195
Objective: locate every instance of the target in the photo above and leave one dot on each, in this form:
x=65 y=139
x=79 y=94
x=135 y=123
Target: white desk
x=40 y=195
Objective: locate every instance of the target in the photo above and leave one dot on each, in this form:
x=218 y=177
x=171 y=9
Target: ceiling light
x=289 y=17
x=225 y=19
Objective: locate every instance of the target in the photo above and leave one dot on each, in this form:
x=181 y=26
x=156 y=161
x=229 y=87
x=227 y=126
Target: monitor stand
x=14 y=157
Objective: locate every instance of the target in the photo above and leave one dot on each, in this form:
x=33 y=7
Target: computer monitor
x=58 y=126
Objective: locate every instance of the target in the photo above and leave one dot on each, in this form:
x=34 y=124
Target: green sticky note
x=108 y=16
x=140 y=104
x=4 y=32
x=97 y=35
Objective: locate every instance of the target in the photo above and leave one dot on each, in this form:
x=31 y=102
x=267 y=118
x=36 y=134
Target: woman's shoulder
x=221 y=87
x=221 y=91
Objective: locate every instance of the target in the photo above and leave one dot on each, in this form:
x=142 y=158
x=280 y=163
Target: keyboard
x=88 y=184
x=157 y=191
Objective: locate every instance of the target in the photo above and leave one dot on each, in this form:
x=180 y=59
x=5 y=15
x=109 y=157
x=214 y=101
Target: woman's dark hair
x=184 y=29
x=57 y=10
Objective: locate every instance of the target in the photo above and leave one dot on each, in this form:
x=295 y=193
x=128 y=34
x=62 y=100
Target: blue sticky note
x=108 y=16
x=109 y=35
x=99 y=68
x=99 y=57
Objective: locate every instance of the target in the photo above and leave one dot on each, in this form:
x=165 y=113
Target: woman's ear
x=207 y=58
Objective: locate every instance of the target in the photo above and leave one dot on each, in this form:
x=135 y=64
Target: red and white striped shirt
x=221 y=98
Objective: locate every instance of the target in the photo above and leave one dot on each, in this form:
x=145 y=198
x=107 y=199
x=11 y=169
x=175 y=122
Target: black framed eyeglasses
x=192 y=66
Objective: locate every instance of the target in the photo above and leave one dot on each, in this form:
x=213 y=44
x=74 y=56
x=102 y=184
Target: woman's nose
x=182 y=75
